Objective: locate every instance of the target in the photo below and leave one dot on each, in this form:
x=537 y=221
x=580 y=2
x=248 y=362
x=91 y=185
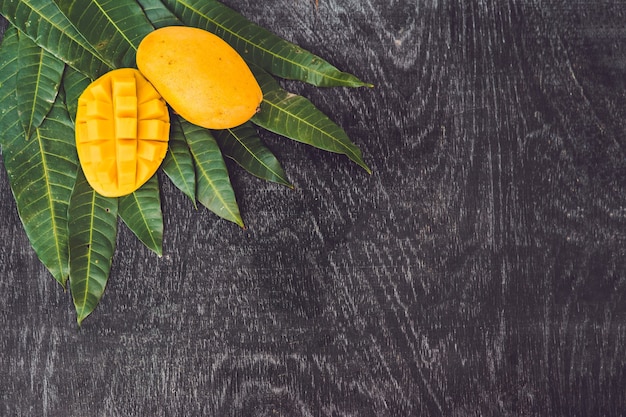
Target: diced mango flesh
x=122 y=131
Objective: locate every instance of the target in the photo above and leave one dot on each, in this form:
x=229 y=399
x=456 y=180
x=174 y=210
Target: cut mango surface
x=122 y=132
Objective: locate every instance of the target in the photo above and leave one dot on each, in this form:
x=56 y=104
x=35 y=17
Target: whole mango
x=122 y=132
x=200 y=76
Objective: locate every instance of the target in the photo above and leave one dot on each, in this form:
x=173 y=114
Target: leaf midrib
x=114 y=24
x=89 y=250
x=81 y=41
x=181 y=173
x=349 y=151
x=234 y=134
x=145 y=221
x=304 y=68
x=37 y=83
x=217 y=193
x=214 y=188
x=44 y=162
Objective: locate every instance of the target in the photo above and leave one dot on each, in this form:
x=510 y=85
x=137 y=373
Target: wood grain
x=479 y=271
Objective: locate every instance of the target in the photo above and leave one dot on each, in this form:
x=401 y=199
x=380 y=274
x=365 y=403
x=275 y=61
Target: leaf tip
x=361 y=83
x=82 y=314
x=62 y=281
x=363 y=165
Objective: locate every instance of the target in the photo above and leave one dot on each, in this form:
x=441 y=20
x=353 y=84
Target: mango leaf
x=254 y=43
x=92 y=233
x=38 y=82
x=158 y=14
x=42 y=21
x=9 y=120
x=113 y=27
x=74 y=83
x=178 y=163
x=243 y=145
x=141 y=212
x=41 y=171
x=213 y=187
x=296 y=118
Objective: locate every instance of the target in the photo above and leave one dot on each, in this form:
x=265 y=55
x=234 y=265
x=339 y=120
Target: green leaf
x=42 y=21
x=92 y=233
x=158 y=14
x=74 y=83
x=296 y=118
x=38 y=82
x=141 y=212
x=213 y=187
x=258 y=45
x=41 y=171
x=243 y=145
x=10 y=126
x=178 y=163
x=113 y=27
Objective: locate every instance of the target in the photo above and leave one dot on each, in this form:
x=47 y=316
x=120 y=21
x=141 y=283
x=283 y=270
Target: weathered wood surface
x=480 y=270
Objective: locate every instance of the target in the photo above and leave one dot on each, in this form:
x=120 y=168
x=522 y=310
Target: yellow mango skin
x=200 y=76
x=122 y=132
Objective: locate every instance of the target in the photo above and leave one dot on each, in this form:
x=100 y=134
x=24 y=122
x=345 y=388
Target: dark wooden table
x=479 y=271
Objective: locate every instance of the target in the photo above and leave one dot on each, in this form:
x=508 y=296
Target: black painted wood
x=479 y=271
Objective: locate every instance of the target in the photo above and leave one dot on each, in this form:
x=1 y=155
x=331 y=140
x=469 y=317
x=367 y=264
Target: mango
x=122 y=132
x=200 y=76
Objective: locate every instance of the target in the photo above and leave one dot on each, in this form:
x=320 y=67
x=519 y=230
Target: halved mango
x=200 y=76
x=122 y=132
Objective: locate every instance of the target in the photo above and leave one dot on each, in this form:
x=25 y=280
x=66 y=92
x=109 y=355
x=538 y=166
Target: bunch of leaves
x=50 y=53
